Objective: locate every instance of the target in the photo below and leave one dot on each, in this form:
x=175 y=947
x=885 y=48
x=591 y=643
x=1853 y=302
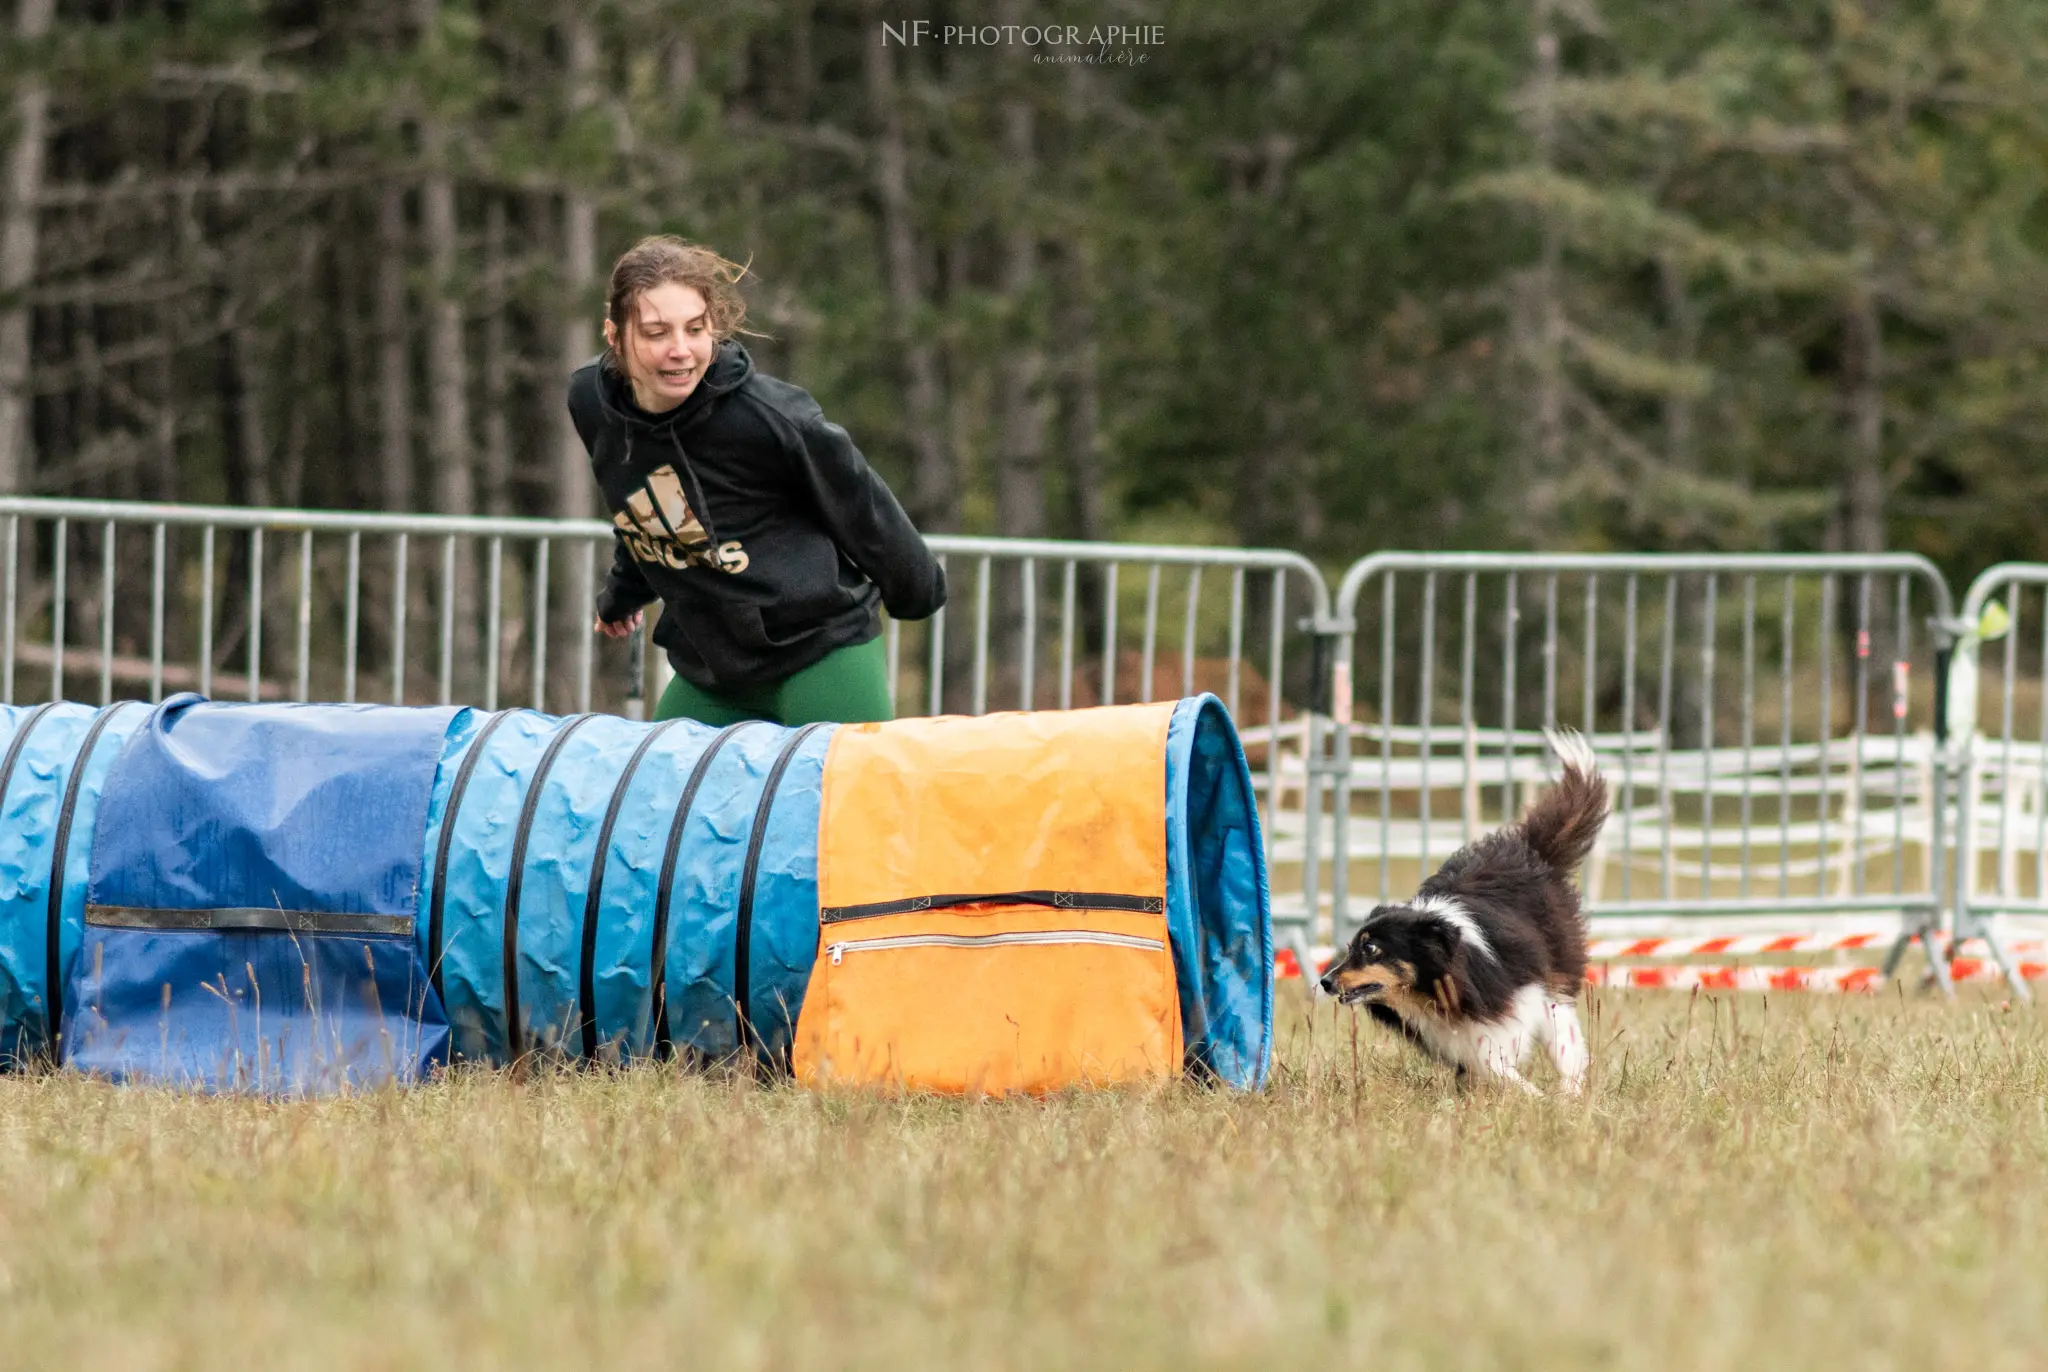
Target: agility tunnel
x=300 y=897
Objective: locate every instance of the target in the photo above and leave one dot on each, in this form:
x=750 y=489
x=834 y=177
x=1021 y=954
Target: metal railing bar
x=350 y=613
x=1069 y=593
x=1592 y=660
x=586 y=650
x=1861 y=718
x=107 y=613
x=1273 y=649
x=205 y=663
x=1027 y=644
x=1902 y=666
x=305 y=644
x=1665 y=665
x=1188 y=630
x=1550 y=651
x=1511 y=621
x=935 y=672
x=1785 y=673
x=1426 y=702
x=1748 y=722
x=1467 y=756
x=156 y=613
x=1151 y=635
x=1827 y=702
x=1109 y=635
x=539 y=601
x=401 y=552
x=256 y=613
x=1236 y=637
x=982 y=593
x=59 y=567
x=447 y=673
x=494 y=609
x=1709 y=627
x=1387 y=608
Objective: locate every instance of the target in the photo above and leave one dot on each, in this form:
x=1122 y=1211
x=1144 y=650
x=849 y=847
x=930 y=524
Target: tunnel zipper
x=1045 y=936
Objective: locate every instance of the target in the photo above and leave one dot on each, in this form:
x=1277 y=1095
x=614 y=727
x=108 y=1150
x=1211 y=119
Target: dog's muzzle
x=1352 y=996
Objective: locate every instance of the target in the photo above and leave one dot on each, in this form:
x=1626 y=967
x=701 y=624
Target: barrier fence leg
x=1937 y=957
x=1996 y=944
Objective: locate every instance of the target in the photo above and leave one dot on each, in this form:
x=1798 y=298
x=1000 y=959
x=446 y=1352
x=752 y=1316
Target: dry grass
x=1812 y=1183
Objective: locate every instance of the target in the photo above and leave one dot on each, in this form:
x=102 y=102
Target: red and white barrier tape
x=1742 y=945
x=1761 y=978
x=1848 y=980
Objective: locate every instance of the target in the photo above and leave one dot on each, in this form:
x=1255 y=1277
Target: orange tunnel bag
x=992 y=897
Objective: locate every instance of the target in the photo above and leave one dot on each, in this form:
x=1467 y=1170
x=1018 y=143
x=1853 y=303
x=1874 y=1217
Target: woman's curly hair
x=664 y=259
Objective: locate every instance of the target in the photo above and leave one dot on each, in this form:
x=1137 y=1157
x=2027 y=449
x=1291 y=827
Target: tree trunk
x=298 y=388
x=346 y=368
x=30 y=122
x=1081 y=387
x=799 y=67
x=577 y=339
x=239 y=383
x=497 y=454
x=394 y=361
x=1683 y=320
x=1549 y=308
x=1863 y=495
x=934 y=483
x=447 y=362
x=1020 y=453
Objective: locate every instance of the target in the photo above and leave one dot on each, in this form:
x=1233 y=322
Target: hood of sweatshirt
x=730 y=367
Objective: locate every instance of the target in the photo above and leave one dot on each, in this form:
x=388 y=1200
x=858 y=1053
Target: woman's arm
x=865 y=520
x=625 y=588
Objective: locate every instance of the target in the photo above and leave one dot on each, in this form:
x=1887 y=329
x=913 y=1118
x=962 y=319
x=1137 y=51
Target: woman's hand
x=623 y=628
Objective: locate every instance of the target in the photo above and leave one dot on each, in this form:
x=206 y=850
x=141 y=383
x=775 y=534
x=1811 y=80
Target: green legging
x=851 y=686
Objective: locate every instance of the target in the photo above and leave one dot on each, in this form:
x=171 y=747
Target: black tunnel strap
x=593 y=900
x=515 y=881
x=1054 y=900
x=743 y=934
x=263 y=918
x=438 y=901
x=59 y=859
x=657 y=971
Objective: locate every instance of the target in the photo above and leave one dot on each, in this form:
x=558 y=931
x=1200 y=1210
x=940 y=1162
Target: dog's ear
x=1438 y=940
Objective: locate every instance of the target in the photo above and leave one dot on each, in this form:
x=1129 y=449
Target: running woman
x=770 y=542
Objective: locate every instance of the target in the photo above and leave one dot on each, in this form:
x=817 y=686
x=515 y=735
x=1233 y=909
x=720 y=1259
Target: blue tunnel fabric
x=569 y=937
x=1215 y=873
x=554 y=888
x=46 y=744
x=301 y=810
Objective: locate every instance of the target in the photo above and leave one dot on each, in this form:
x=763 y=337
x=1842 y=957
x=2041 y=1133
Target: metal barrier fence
x=135 y=599
x=1715 y=690
x=1772 y=749
x=2002 y=826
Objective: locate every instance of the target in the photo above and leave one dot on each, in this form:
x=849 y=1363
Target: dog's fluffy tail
x=1563 y=825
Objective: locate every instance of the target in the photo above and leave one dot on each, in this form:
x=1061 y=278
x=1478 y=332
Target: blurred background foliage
x=1712 y=274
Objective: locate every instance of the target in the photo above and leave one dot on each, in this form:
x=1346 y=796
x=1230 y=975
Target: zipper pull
x=835 y=949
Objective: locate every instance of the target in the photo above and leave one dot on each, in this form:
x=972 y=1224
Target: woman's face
x=668 y=347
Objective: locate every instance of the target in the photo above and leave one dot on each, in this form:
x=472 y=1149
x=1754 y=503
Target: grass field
x=1805 y=1183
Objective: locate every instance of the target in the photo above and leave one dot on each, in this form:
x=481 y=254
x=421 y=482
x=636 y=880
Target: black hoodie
x=763 y=531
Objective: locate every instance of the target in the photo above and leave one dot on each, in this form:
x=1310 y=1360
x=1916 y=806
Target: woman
x=753 y=519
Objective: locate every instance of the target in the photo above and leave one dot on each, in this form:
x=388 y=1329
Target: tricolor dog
x=1487 y=960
